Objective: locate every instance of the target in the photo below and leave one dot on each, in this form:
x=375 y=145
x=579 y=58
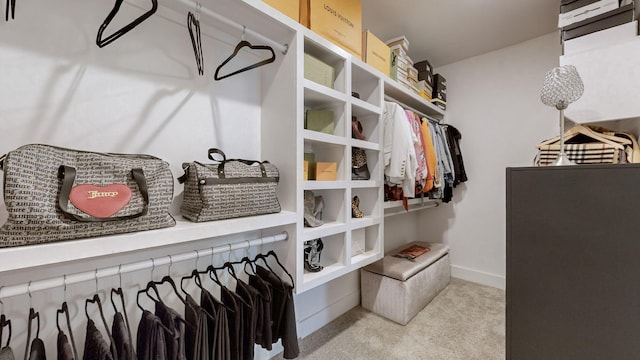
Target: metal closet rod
x=60 y=281
x=284 y=48
x=389 y=98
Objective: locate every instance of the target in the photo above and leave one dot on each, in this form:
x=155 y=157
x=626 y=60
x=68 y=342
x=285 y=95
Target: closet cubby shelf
x=22 y=257
x=319 y=137
x=324 y=185
x=366 y=258
x=365 y=144
x=363 y=108
x=328 y=273
x=364 y=184
x=315 y=93
x=327 y=229
x=359 y=223
x=396 y=91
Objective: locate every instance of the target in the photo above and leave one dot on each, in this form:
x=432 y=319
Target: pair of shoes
x=312 y=251
x=355 y=208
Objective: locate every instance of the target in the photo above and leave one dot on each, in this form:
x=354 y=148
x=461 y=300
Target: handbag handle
x=221 y=175
x=68 y=175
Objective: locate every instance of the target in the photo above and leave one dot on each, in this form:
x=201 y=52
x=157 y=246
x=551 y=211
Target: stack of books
x=403 y=72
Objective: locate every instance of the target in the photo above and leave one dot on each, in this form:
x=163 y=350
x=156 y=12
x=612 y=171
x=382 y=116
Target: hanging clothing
x=174 y=322
x=431 y=156
x=219 y=334
x=196 y=335
x=453 y=139
x=416 y=131
x=248 y=294
x=6 y=353
x=63 y=347
x=263 y=333
x=122 y=338
x=399 y=156
x=37 y=351
x=95 y=346
x=283 y=315
x=236 y=320
x=151 y=344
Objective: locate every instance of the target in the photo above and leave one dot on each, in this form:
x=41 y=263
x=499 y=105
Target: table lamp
x=562 y=86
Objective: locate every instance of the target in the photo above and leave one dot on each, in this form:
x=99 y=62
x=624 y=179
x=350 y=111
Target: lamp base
x=562 y=160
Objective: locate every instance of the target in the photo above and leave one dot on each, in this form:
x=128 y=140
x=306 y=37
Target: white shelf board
x=21 y=257
x=324 y=185
x=365 y=144
x=320 y=137
x=364 y=184
x=328 y=273
x=395 y=207
x=316 y=94
x=363 y=108
x=327 y=229
x=393 y=89
x=367 y=258
x=359 y=223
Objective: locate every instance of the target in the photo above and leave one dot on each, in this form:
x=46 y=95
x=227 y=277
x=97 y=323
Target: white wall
x=494 y=100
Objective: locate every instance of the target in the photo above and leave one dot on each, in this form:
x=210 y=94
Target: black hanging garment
x=151 y=344
x=219 y=334
x=453 y=141
x=37 y=351
x=65 y=352
x=236 y=319
x=95 y=347
x=121 y=338
x=283 y=315
x=249 y=295
x=174 y=322
x=196 y=334
x=263 y=326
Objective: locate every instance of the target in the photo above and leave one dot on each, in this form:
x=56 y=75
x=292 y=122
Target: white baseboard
x=480 y=277
x=328 y=314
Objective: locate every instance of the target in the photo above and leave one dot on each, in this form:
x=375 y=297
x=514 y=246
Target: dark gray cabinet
x=573 y=262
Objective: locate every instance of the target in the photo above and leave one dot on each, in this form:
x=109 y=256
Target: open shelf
x=22 y=257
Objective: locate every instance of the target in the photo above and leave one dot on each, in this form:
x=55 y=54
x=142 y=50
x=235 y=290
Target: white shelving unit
x=349 y=243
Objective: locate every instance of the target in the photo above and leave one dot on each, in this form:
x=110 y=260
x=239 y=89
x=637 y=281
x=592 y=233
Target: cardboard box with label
x=376 y=53
x=319 y=120
x=337 y=20
x=291 y=8
x=318 y=71
x=326 y=171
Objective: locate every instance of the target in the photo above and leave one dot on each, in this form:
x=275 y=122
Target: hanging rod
x=389 y=98
x=60 y=281
x=284 y=48
x=424 y=204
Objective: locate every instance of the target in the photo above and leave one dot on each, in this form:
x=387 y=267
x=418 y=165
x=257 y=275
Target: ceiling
x=447 y=31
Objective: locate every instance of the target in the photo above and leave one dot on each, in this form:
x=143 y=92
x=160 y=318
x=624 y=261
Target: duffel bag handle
x=68 y=175
x=213 y=151
x=221 y=175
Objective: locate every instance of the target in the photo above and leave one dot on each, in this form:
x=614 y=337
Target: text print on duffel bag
x=228 y=188
x=53 y=193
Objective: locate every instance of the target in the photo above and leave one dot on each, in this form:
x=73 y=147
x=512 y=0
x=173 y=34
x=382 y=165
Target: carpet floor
x=466 y=321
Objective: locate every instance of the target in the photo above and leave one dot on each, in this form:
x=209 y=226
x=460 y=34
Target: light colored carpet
x=466 y=321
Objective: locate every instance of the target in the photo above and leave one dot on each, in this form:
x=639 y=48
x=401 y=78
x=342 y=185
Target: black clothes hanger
x=241 y=45
x=96 y=300
x=32 y=315
x=193 y=24
x=5 y=322
x=64 y=309
x=272 y=253
x=118 y=33
x=11 y=9
x=120 y=294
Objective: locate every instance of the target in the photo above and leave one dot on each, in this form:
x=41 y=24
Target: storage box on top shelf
x=439 y=87
x=291 y=8
x=400 y=41
x=393 y=66
x=376 y=53
x=339 y=21
x=603 y=38
x=580 y=10
x=616 y=17
x=318 y=71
